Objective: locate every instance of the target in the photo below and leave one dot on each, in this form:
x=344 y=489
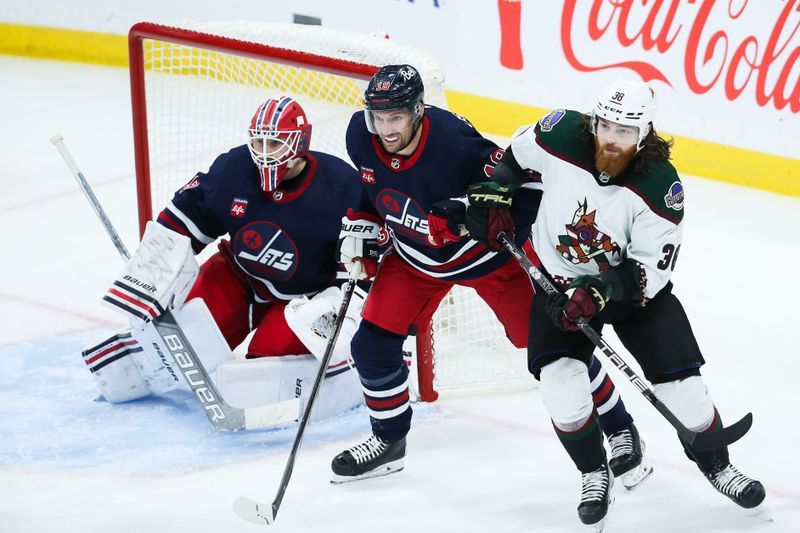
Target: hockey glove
x=358 y=243
x=446 y=221
x=159 y=275
x=585 y=297
x=489 y=212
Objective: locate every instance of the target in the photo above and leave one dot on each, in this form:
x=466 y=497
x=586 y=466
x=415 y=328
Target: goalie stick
x=263 y=513
x=700 y=441
x=221 y=415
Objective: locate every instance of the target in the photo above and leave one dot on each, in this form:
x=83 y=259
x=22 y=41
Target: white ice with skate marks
x=474 y=463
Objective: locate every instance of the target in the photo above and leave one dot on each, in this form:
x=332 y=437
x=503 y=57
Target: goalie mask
x=629 y=103
x=279 y=137
x=394 y=87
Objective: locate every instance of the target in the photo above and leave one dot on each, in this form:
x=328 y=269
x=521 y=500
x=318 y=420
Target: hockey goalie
x=272 y=289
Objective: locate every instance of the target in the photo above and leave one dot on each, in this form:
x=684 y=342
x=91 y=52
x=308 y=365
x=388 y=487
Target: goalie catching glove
x=358 y=243
x=159 y=275
x=489 y=212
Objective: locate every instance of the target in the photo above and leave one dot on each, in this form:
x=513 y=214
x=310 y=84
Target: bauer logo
x=403 y=215
x=194 y=377
x=238 y=207
x=266 y=251
x=674 y=198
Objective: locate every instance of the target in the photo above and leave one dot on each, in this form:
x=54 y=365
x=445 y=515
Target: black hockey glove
x=585 y=297
x=446 y=221
x=489 y=212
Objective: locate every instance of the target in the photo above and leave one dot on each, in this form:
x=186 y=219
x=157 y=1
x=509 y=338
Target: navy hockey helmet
x=394 y=87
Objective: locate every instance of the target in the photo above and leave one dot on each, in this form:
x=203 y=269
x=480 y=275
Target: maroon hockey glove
x=489 y=212
x=586 y=296
x=446 y=221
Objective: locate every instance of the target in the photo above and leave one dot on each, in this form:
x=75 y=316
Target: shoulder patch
x=194 y=182
x=547 y=122
x=674 y=196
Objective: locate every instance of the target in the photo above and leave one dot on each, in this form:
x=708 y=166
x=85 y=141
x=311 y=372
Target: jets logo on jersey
x=674 y=197
x=265 y=250
x=403 y=215
x=238 y=207
x=367 y=175
x=194 y=182
x=584 y=242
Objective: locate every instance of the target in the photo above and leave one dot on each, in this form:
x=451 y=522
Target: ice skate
x=628 y=463
x=596 y=497
x=744 y=491
x=372 y=458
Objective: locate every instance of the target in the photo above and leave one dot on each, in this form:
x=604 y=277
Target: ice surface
x=487 y=462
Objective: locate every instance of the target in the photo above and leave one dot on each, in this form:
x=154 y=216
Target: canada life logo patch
x=674 y=197
x=265 y=250
x=238 y=207
x=403 y=215
x=367 y=175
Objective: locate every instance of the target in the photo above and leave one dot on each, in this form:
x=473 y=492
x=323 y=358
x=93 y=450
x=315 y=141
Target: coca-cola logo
x=701 y=31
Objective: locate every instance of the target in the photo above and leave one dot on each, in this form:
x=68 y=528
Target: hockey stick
x=264 y=513
x=700 y=441
x=220 y=414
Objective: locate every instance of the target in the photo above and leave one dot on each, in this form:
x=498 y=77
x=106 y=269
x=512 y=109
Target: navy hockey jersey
x=285 y=240
x=451 y=156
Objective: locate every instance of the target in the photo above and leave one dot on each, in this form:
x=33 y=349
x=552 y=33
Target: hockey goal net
x=194 y=89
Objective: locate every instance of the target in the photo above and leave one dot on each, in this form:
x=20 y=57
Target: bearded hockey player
x=608 y=232
x=417 y=162
x=275 y=277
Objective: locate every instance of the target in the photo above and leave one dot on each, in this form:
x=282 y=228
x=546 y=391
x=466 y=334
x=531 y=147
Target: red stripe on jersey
x=166 y=220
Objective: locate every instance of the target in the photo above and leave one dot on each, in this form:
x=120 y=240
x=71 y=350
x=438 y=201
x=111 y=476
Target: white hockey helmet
x=627 y=102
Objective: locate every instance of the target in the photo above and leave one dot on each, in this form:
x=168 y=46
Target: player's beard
x=405 y=138
x=612 y=164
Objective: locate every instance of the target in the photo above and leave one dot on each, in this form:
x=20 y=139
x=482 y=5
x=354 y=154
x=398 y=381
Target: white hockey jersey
x=588 y=223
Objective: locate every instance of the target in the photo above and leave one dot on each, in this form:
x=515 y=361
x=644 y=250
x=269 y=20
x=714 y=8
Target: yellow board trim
x=691 y=156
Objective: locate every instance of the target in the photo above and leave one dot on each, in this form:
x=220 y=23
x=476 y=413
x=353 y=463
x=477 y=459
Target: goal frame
x=148 y=30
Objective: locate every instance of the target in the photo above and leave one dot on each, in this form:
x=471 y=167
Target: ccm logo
x=194 y=377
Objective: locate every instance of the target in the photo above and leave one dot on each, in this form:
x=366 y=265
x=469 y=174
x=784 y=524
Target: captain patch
x=547 y=122
x=674 y=198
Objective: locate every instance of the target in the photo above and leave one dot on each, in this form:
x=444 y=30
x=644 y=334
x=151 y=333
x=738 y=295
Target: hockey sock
x=584 y=445
x=713 y=460
x=378 y=356
x=607 y=401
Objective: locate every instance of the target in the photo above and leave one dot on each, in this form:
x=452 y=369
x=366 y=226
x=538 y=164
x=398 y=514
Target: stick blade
x=273 y=415
x=714 y=440
x=256 y=512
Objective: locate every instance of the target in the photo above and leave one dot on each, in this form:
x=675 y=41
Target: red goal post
x=193 y=90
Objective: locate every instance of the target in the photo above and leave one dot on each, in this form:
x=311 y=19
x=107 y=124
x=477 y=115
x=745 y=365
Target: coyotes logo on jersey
x=584 y=242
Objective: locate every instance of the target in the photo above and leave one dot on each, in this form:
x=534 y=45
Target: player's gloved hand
x=446 y=221
x=585 y=297
x=489 y=212
x=358 y=243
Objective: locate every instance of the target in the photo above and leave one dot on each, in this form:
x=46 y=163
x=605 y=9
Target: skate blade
x=597 y=527
x=383 y=470
x=635 y=476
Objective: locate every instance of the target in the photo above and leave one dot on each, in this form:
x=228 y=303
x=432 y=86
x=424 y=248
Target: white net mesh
x=199 y=104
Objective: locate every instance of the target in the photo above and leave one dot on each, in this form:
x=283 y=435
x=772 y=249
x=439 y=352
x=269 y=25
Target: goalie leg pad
x=689 y=400
x=133 y=364
x=257 y=382
x=313 y=322
x=566 y=392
